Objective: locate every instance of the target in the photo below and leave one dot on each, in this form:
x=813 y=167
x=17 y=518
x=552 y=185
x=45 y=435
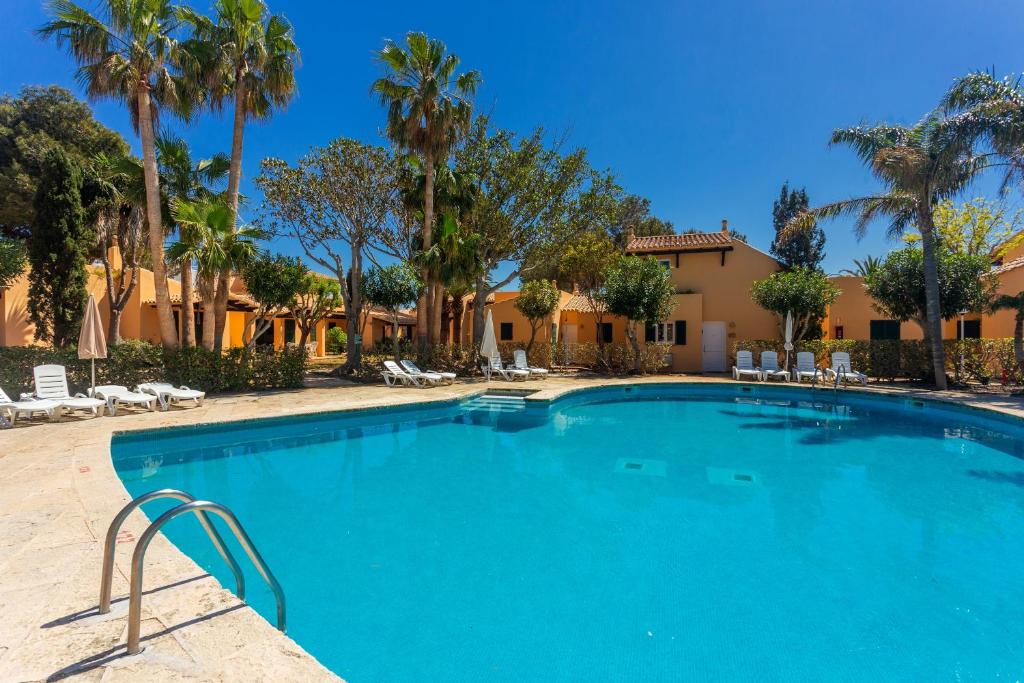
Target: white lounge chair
x=519 y=358
x=842 y=369
x=508 y=374
x=51 y=383
x=413 y=369
x=805 y=367
x=394 y=374
x=10 y=410
x=168 y=394
x=115 y=393
x=770 y=367
x=745 y=366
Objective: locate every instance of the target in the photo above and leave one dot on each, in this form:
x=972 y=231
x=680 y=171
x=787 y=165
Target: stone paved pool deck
x=59 y=491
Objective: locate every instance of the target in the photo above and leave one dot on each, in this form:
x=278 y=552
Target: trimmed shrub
x=335 y=340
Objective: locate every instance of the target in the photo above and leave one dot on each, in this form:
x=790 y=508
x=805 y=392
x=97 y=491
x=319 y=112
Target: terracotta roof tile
x=679 y=242
x=578 y=303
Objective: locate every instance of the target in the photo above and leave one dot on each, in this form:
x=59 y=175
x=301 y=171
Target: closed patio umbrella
x=91 y=342
x=488 y=345
x=789 y=336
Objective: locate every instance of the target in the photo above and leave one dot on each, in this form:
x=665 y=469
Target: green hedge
x=132 y=362
x=982 y=358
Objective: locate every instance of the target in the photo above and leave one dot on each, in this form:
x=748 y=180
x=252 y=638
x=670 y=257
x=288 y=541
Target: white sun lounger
x=519 y=358
x=169 y=394
x=10 y=410
x=413 y=369
x=51 y=383
x=393 y=374
x=805 y=367
x=745 y=366
x=508 y=374
x=843 y=369
x=770 y=367
x=115 y=393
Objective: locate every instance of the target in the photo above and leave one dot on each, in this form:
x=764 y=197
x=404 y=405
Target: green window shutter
x=649 y=333
x=680 y=333
x=885 y=330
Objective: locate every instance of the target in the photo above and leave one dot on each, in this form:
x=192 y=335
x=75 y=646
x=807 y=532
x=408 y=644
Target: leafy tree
x=31 y=124
x=918 y=166
x=536 y=301
x=804 y=292
x=188 y=180
x=1014 y=303
x=639 y=290
x=392 y=287
x=802 y=248
x=334 y=200
x=975 y=227
x=429 y=109
x=57 y=250
x=528 y=195
x=272 y=280
x=634 y=216
x=585 y=263
x=317 y=297
x=247 y=56
x=12 y=261
x=898 y=285
x=129 y=57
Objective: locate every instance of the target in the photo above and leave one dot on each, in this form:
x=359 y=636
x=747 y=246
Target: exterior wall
x=586 y=327
x=854 y=310
x=504 y=310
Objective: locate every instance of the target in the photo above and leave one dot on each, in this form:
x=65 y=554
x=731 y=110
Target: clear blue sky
x=705 y=108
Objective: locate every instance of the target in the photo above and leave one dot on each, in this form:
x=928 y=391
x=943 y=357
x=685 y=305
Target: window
x=680 y=333
x=970 y=329
x=506 y=332
x=289 y=331
x=606 y=333
x=839 y=332
x=665 y=263
x=884 y=330
x=661 y=333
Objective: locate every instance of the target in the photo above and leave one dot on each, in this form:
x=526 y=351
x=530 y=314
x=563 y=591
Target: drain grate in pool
x=634 y=465
x=730 y=477
x=654 y=468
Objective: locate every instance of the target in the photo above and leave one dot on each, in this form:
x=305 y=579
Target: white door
x=568 y=334
x=712 y=340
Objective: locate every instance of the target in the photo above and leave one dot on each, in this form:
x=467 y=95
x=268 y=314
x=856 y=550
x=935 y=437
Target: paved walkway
x=58 y=493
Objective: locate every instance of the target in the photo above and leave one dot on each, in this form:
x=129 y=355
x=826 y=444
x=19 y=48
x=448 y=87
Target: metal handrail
x=110 y=543
x=840 y=374
x=135 y=594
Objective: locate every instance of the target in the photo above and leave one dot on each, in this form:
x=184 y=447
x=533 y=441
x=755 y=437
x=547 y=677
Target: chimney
x=630 y=236
x=725 y=226
x=114 y=256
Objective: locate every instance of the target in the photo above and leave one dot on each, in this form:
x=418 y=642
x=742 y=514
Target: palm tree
x=208 y=237
x=918 y=167
x=429 y=108
x=1014 y=303
x=188 y=181
x=862 y=268
x=247 y=56
x=127 y=56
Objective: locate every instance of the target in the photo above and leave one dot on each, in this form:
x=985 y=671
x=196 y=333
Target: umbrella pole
x=93 y=361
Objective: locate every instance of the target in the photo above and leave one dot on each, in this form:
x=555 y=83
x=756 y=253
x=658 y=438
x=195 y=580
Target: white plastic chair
x=115 y=393
x=770 y=367
x=519 y=359
x=413 y=369
x=805 y=367
x=842 y=369
x=745 y=366
x=508 y=374
x=168 y=394
x=11 y=409
x=394 y=374
x=51 y=383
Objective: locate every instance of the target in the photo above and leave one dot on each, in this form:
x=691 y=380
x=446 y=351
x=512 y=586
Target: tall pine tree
x=802 y=248
x=57 y=250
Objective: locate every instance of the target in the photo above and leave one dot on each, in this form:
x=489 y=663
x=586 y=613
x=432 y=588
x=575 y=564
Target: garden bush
x=132 y=362
x=335 y=340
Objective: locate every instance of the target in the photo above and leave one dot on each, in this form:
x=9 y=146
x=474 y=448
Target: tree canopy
x=537 y=299
x=272 y=280
x=799 y=248
x=12 y=260
x=392 y=287
x=804 y=292
x=32 y=123
x=638 y=289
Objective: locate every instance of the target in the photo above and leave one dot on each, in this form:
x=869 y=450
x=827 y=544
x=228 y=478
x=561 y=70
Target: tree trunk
x=459 y=310
x=394 y=336
x=437 y=305
x=931 y=288
x=1018 y=339
x=479 y=304
x=533 y=336
x=635 y=343
x=168 y=335
x=354 y=303
x=304 y=335
x=209 y=314
x=220 y=306
x=114 y=329
x=188 y=312
x=424 y=305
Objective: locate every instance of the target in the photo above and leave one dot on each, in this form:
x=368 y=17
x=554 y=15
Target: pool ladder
x=835 y=385
x=201 y=508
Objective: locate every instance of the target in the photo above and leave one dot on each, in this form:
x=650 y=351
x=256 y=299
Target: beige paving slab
x=59 y=491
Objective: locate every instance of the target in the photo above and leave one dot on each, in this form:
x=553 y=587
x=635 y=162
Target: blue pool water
x=659 y=534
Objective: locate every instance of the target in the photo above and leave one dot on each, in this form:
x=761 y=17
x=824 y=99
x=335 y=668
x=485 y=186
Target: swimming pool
x=662 y=532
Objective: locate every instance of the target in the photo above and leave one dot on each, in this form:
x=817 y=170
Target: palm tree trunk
x=459 y=306
x=168 y=334
x=437 y=304
x=931 y=290
x=206 y=290
x=425 y=304
x=234 y=182
x=220 y=308
x=188 y=313
x=1018 y=339
x=394 y=336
